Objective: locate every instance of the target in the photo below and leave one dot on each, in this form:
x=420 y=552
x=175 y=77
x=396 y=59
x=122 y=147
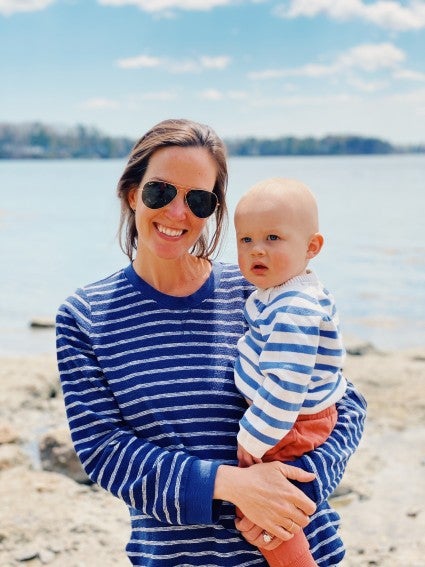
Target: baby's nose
x=257 y=250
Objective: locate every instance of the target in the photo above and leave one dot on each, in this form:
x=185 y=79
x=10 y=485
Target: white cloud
x=367 y=86
x=9 y=7
x=367 y=57
x=211 y=94
x=371 y=57
x=303 y=71
x=409 y=75
x=387 y=14
x=216 y=95
x=175 y=66
x=268 y=74
x=140 y=61
x=158 y=96
x=237 y=95
x=182 y=66
x=100 y=104
x=166 y=5
x=412 y=97
x=131 y=101
x=215 y=62
x=303 y=101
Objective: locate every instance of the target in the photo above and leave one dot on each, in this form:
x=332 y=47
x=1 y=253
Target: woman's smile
x=173 y=232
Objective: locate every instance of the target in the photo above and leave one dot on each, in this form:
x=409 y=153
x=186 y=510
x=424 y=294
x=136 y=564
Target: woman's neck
x=177 y=277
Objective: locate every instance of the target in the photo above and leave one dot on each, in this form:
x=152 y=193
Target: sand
x=48 y=518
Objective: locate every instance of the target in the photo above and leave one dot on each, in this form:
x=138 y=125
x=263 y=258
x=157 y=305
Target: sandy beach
x=47 y=517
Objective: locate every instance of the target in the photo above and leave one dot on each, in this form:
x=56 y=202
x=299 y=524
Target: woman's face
x=171 y=231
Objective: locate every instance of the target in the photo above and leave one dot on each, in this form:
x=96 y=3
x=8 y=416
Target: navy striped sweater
x=153 y=411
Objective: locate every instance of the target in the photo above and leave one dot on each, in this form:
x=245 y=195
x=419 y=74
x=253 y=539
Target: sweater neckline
x=306 y=278
x=171 y=301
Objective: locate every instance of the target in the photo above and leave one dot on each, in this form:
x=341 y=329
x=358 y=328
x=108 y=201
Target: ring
x=290 y=527
x=267 y=538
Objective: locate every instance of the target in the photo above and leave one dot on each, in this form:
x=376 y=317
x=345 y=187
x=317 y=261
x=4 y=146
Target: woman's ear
x=315 y=245
x=132 y=198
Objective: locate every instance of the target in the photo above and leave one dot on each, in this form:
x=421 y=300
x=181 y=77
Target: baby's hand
x=246 y=459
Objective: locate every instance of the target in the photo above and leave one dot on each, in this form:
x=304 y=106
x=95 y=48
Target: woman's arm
x=172 y=486
x=328 y=462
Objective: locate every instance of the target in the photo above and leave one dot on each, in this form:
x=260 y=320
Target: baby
x=290 y=359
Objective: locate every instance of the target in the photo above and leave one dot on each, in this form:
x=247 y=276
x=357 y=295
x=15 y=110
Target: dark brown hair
x=182 y=133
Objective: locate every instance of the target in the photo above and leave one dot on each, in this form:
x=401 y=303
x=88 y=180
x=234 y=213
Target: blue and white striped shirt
x=153 y=411
x=290 y=359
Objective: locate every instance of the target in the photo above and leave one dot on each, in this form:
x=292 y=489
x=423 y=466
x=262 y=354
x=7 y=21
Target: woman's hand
x=264 y=494
x=254 y=534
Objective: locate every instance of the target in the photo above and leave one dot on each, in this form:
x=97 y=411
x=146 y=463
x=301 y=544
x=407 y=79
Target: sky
x=264 y=68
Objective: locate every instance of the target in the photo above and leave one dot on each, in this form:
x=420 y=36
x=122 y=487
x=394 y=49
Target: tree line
x=41 y=141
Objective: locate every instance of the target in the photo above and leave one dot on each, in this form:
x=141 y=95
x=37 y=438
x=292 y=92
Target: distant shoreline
x=40 y=141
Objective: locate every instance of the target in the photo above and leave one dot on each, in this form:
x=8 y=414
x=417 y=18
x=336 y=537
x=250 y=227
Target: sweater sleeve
x=329 y=461
x=171 y=486
x=286 y=362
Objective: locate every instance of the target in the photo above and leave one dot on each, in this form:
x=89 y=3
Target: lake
x=59 y=219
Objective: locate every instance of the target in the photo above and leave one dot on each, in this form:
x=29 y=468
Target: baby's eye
x=272 y=237
x=246 y=239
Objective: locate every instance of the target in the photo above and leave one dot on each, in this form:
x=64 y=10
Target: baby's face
x=272 y=242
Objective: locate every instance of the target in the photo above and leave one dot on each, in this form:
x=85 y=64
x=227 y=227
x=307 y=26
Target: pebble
x=57 y=454
x=42 y=323
x=8 y=434
x=26 y=554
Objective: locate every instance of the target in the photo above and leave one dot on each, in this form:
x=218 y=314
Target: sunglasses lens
x=157 y=194
x=201 y=203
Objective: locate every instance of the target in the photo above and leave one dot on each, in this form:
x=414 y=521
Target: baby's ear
x=315 y=245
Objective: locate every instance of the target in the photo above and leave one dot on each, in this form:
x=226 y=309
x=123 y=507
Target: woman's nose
x=177 y=208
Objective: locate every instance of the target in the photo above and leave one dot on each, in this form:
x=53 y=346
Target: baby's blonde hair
x=287 y=192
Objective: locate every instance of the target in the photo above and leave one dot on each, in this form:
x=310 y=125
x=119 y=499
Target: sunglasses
x=158 y=194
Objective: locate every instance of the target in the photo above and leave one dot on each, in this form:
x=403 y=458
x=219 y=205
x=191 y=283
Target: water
x=58 y=223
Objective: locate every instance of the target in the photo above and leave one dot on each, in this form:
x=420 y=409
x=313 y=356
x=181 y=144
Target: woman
x=146 y=364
